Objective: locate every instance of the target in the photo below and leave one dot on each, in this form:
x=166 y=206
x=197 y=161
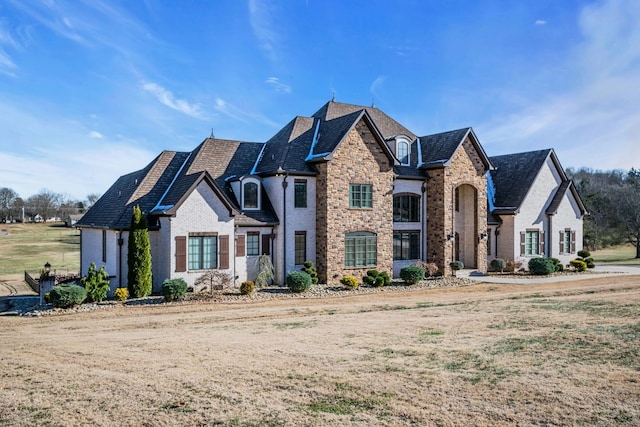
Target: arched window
x=250 y=196
x=360 y=249
x=402 y=150
x=406 y=208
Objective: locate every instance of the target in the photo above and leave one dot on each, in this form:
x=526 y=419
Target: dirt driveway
x=487 y=354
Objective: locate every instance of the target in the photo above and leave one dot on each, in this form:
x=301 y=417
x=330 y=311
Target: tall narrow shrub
x=139 y=256
x=96 y=283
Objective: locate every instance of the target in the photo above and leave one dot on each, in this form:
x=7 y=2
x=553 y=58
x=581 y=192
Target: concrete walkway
x=599 y=271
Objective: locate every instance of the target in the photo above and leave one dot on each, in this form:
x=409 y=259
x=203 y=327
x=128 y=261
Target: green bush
x=412 y=274
x=311 y=271
x=375 y=278
x=247 y=288
x=578 y=264
x=541 y=266
x=298 y=281
x=456 y=265
x=498 y=264
x=174 y=289
x=67 y=295
x=557 y=265
x=590 y=262
x=47 y=297
x=121 y=294
x=584 y=254
x=139 y=272
x=96 y=283
x=350 y=282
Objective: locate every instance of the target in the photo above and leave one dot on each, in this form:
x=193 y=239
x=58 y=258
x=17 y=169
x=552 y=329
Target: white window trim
x=246 y=181
x=403 y=140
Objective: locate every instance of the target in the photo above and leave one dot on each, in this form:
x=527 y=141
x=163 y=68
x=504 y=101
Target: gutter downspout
x=120 y=243
x=425 y=257
x=285 y=184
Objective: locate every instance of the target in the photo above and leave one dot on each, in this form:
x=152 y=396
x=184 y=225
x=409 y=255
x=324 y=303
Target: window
x=567 y=241
x=300 y=193
x=203 y=252
x=360 y=249
x=301 y=247
x=250 y=195
x=532 y=242
x=402 y=149
x=360 y=196
x=253 y=243
x=406 y=245
x=406 y=208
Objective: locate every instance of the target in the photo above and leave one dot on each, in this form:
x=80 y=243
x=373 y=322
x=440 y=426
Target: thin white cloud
x=95 y=134
x=241 y=115
x=261 y=18
x=167 y=98
x=377 y=84
x=540 y=22
x=596 y=120
x=277 y=85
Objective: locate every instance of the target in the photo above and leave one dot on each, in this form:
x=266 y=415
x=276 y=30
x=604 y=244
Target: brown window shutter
x=181 y=253
x=224 y=252
x=522 y=240
x=240 y=245
x=562 y=242
x=266 y=244
x=573 y=242
x=541 y=241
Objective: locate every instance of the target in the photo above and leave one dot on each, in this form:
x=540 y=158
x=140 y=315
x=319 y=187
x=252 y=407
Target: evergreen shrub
x=456 y=265
x=298 y=281
x=247 y=287
x=311 y=271
x=96 y=283
x=350 y=282
x=498 y=264
x=578 y=264
x=412 y=274
x=541 y=266
x=121 y=294
x=67 y=295
x=174 y=289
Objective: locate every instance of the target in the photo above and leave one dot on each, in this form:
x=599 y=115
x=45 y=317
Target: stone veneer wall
x=358 y=160
x=466 y=168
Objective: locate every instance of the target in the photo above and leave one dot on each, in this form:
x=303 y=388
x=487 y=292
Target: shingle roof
x=514 y=175
x=288 y=148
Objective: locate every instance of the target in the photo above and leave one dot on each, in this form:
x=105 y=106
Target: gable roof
x=515 y=174
x=437 y=150
x=162 y=186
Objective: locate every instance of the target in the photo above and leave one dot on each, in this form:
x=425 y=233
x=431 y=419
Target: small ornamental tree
x=139 y=256
x=310 y=269
x=265 y=272
x=96 y=283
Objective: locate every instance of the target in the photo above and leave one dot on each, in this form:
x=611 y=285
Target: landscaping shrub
x=67 y=295
x=386 y=279
x=213 y=280
x=374 y=278
x=139 y=256
x=456 y=265
x=578 y=264
x=96 y=283
x=311 y=271
x=247 y=287
x=298 y=281
x=590 y=262
x=557 y=265
x=498 y=264
x=584 y=254
x=350 y=282
x=265 y=272
x=121 y=294
x=513 y=266
x=412 y=274
x=47 y=297
x=541 y=266
x=174 y=289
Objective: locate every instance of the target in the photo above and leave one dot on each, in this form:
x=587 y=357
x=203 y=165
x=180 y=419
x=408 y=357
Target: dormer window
x=402 y=151
x=250 y=194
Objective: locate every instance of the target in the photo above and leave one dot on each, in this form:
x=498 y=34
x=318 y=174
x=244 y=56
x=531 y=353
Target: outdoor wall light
x=484 y=236
x=451 y=237
x=47 y=268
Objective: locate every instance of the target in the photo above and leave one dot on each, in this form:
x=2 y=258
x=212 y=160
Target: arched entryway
x=465 y=224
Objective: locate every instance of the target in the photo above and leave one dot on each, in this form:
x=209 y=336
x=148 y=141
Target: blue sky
x=91 y=90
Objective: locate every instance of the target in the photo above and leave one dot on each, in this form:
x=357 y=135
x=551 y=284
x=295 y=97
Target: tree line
x=46 y=204
x=612 y=199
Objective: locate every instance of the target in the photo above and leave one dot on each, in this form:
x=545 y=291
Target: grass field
x=621 y=255
x=27 y=247
x=482 y=355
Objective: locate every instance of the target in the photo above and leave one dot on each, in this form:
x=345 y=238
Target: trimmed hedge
x=541 y=266
x=498 y=264
x=298 y=281
x=174 y=289
x=374 y=278
x=412 y=274
x=67 y=295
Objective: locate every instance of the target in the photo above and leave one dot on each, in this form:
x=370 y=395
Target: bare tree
x=91 y=199
x=7 y=200
x=46 y=203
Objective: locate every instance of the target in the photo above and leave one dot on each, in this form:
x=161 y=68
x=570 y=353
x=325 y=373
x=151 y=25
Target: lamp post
x=47 y=268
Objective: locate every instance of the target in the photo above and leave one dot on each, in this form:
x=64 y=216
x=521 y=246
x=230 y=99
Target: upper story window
x=300 y=193
x=406 y=208
x=361 y=196
x=402 y=151
x=250 y=195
